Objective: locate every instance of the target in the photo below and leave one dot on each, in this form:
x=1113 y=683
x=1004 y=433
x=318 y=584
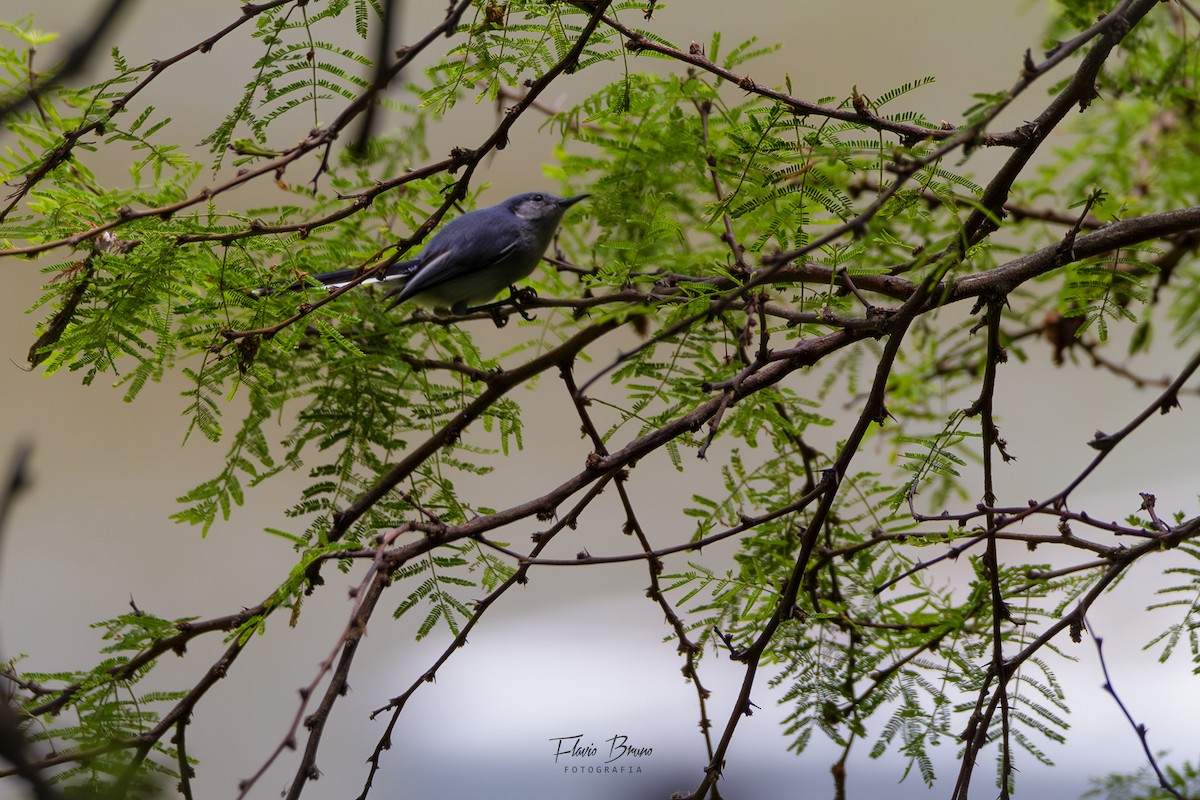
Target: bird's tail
x=339 y=278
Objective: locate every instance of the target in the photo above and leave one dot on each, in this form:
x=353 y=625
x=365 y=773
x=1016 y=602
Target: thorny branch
x=1140 y=730
x=992 y=443
x=1000 y=519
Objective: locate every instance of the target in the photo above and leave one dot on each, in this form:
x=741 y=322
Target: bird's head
x=541 y=207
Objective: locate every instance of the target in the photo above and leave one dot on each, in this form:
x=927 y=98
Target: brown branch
x=500 y=385
x=704 y=109
x=1007 y=277
x=748 y=523
x=170 y=644
x=365 y=595
x=1140 y=730
x=992 y=443
x=1080 y=91
x=338 y=686
x=457 y=159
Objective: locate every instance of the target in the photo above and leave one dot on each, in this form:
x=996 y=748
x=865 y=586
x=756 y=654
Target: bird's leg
x=519 y=297
x=493 y=310
x=516 y=298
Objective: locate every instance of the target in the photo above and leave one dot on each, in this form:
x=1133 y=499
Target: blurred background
x=577 y=651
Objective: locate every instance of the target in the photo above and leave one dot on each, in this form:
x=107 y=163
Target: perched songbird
x=475 y=256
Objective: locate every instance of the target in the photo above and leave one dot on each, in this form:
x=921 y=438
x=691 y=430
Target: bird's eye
x=538 y=198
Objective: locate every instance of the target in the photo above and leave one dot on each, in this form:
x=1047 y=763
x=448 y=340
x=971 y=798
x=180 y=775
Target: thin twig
x=1139 y=729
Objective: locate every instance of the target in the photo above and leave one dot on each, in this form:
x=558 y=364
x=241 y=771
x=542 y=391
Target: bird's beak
x=570 y=201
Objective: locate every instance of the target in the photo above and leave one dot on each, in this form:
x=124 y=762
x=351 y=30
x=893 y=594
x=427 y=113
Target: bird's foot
x=516 y=298
x=519 y=297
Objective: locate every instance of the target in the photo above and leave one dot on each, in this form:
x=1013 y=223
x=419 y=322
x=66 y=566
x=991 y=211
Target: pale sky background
x=577 y=650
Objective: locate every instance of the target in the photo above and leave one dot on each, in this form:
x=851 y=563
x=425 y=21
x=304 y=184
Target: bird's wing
x=471 y=243
x=339 y=278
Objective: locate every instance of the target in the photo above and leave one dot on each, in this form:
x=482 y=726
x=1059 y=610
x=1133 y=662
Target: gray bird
x=475 y=256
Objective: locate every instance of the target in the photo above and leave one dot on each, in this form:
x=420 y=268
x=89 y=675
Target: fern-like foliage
x=1182 y=596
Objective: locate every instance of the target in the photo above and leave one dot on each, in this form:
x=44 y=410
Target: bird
x=473 y=257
